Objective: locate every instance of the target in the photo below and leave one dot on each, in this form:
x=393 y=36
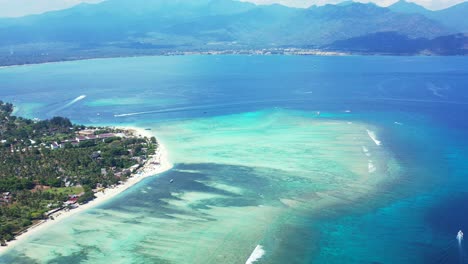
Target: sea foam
x=256 y=254
x=374 y=137
x=366 y=151
x=371 y=167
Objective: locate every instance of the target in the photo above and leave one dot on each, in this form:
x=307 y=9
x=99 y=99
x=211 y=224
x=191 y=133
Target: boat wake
x=206 y=107
x=256 y=255
x=74 y=101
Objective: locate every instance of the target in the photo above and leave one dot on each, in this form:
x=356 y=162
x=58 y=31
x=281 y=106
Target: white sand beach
x=157 y=164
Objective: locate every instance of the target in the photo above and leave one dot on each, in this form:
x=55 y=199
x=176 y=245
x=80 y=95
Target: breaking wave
x=371 y=167
x=373 y=136
x=256 y=255
x=366 y=151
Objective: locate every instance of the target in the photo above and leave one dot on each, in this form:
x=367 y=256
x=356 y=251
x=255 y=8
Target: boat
x=460 y=235
x=171 y=181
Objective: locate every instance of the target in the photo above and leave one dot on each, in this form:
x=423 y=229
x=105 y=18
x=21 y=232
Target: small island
x=52 y=167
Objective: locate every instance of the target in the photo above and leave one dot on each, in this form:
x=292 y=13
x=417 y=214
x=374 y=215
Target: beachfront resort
x=53 y=166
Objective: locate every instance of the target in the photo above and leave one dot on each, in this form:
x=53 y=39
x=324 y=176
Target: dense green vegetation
x=43 y=163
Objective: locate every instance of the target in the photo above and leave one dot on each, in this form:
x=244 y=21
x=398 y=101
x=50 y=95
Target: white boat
x=460 y=236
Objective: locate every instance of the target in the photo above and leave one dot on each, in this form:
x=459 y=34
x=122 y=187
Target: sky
x=15 y=8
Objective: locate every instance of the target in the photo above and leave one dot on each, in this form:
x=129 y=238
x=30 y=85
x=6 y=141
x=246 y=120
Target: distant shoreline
x=157 y=164
x=266 y=52
x=185 y=53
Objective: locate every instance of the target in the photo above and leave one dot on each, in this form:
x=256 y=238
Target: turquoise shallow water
x=275 y=151
x=240 y=181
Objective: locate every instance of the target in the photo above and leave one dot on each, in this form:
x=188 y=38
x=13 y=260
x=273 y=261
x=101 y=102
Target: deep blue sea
x=268 y=150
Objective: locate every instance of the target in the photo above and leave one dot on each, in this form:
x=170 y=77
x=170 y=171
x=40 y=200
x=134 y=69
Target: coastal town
x=36 y=58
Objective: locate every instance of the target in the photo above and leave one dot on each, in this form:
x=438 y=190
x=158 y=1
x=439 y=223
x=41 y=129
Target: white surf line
x=371 y=167
x=370 y=164
x=374 y=137
x=366 y=151
x=256 y=255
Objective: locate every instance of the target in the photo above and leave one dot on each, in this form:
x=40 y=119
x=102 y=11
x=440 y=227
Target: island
x=52 y=167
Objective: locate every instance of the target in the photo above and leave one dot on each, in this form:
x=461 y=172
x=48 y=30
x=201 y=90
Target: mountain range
x=453 y=17
x=134 y=27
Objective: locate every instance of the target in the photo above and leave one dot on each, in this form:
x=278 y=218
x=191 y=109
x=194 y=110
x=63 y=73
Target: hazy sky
x=12 y=8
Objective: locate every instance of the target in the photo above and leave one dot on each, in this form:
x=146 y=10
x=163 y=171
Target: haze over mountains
x=453 y=17
x=133 y=27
